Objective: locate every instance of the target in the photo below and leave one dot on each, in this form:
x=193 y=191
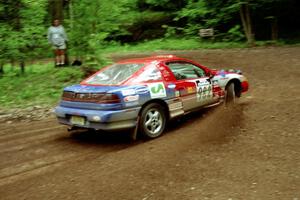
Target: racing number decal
x=204 y=90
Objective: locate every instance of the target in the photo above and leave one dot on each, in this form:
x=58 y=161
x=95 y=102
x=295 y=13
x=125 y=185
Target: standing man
x=57 y=37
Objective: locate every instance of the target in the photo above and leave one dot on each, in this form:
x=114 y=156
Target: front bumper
x=245 y=86
x=99 y=119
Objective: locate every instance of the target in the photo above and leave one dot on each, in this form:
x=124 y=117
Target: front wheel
x=153 y=120
x=230 y=94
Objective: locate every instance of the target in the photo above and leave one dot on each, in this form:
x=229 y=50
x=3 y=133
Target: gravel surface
x=248 y=152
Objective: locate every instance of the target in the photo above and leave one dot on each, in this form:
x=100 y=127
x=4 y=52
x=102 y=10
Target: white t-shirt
x=57 y=35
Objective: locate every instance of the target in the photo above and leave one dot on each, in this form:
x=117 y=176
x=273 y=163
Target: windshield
x=114 y=74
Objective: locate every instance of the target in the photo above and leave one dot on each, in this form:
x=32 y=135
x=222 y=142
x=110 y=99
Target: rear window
x=114 y=74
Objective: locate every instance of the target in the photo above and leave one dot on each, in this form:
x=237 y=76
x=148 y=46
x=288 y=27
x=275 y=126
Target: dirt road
x=250 y=152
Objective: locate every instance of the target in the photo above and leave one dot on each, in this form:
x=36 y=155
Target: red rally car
x=145 y=93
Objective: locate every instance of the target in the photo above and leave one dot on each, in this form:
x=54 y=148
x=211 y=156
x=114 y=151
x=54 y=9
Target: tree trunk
x=274 y=27
x=22 y=66
x=12 y=64
x=1 y=68
x=246 y=22
x=71 y=15
x=56 y=7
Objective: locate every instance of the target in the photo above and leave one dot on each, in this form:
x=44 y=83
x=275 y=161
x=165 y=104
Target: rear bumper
x=99 y=119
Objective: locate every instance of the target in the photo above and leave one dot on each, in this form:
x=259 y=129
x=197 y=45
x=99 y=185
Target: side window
x=183 y=70
x=149 y=74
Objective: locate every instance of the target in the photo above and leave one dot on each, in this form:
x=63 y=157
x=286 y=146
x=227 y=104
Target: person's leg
x=57 y=57
x=62 y=56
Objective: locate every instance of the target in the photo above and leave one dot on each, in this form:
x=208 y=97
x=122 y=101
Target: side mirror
x=210 y=75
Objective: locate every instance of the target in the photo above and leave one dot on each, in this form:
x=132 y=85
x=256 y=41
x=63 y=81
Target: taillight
x=109 y=98
x=91 y=97
x=68 y=95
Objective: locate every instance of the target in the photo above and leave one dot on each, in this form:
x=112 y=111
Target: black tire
x=230 y=97
x=152 y=121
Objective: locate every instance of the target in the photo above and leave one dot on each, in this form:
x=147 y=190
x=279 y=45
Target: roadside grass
x=41 y=85
x=171 y=44
x=184 y=44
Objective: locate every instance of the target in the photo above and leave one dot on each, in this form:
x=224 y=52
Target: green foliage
x=22 y=32
x=93 y=63
x=161 y=5
x=42 y=84
x=95 y=25
x=170 y=31
x=194 y=10
x=206 y=14
x=96 y=22
x=234 y=34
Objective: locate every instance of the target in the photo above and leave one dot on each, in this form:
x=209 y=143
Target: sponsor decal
x=128 y=92
x=191 y=90
x=131 y=98
x=157 y=90
x=142 y=90
x=215 y=82
x=171 y=86
x=224 y=78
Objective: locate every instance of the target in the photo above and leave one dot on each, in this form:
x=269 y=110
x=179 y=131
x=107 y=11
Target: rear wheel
x=230 y=94
x=153 y=120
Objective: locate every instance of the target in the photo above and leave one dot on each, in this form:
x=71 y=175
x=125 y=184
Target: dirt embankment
x=249 y=152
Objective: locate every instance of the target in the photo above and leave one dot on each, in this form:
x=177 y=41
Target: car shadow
x=185 y=120
x=101 y=137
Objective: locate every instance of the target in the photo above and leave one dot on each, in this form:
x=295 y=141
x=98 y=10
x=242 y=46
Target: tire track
x=23 y=126
x=40 y=166
x=21 y=143
x=35 y=151
x=18 y=135
x=62 y=144
x=34 y=164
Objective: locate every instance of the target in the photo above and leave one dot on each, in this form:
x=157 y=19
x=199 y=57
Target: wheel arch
x=158 y=101
x=237 y=86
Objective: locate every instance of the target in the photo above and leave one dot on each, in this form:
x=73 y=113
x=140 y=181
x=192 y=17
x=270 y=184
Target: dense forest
x=94 y=24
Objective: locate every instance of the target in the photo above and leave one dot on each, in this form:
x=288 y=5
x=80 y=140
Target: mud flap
x=133 y=134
